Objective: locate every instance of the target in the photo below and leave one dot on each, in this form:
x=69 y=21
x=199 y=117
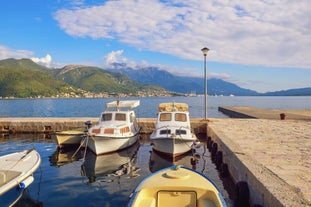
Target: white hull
x=172 y=147
x=17 y=169
x=102 y=145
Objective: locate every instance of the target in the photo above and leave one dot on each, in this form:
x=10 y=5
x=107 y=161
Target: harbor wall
x=241 y=169
x=54 y=124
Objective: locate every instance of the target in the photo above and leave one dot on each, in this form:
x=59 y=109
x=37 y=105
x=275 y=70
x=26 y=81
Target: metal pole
x=205 y=88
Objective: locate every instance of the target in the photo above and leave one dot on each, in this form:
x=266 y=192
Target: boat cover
x=172 y=106
x=123 y=104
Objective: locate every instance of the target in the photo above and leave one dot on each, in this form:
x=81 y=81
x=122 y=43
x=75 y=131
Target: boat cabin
x=173 y=118
x=116 y=121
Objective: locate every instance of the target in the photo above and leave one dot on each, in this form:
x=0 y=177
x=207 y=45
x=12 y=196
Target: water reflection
x=63 y=156
x=11 y=197
x=18 y=198
x=158 y=161
x=109 y=167
x=26 y=200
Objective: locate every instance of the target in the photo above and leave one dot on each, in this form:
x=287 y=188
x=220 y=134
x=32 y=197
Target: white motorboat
x=117 y=129
x=16 y=169
x=172 y=135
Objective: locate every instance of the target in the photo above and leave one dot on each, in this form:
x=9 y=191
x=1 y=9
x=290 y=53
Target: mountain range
x=23 y=78
x=181 y=84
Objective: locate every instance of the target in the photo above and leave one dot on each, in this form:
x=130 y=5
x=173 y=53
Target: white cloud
x=46 y=61
x=274 y=33
x=6 y=52
x=115 y=58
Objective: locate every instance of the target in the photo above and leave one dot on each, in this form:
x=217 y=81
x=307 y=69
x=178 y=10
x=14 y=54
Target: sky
x=263 y=45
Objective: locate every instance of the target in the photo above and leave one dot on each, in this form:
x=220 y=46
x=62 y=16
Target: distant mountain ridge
x=181 y=84
x=155 y=76
x=23 y=78
x=291 y=92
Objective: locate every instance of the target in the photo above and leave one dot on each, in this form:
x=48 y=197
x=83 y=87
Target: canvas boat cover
x=173 y=106
x=123 y=104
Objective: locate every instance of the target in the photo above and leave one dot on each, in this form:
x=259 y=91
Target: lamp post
x=205 y=51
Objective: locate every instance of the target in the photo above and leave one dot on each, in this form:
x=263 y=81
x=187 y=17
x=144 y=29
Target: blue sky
x=260 y=45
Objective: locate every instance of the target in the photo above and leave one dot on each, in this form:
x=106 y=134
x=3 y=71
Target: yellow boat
x=176 y=186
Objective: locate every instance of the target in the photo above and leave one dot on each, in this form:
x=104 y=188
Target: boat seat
x=6 y=176
x=177 y=198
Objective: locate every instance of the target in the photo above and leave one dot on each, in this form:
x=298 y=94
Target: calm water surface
x=82 y=107
x=65 y=179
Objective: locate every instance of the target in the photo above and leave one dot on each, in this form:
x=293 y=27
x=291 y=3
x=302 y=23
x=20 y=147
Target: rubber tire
x=224 y=170
x=242 y=194
x=214 y=149
x=218 y=160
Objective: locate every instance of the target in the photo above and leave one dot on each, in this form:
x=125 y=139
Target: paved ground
x=282 y=147
x=259 y=113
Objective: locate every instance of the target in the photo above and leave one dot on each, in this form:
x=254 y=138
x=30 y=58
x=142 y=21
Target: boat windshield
x=165 y=117
x=120 y=117
x=180 y=117
x=107 y=117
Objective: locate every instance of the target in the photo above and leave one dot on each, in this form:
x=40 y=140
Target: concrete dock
x=259 y=113
x=270 y=152
x=271 y=155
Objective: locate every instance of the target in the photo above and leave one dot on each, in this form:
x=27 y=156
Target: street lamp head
x=205 y=51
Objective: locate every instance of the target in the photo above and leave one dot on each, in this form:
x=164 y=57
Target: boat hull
x=68 y=138
x=172 y=147
x=176 y=186
x=103 y=145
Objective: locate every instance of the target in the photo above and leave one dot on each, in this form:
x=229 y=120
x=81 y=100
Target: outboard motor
x=88 y=124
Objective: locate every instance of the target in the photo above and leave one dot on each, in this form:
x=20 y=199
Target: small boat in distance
x=117 y=129
x=16 y=169
x=172 y=135
x=176 y=186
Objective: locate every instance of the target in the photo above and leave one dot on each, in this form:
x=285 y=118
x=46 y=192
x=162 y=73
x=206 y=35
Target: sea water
x=91 y=107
